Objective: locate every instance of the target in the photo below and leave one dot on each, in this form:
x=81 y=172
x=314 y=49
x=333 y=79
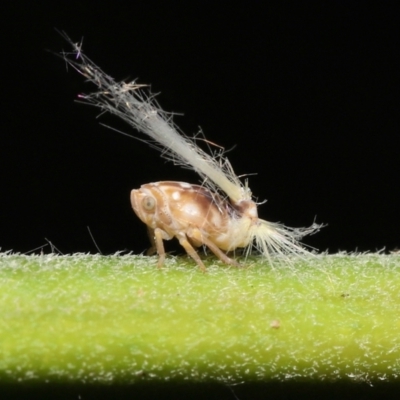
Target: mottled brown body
x=195 y=216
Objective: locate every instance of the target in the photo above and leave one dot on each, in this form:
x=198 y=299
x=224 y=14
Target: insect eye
x=148 y=203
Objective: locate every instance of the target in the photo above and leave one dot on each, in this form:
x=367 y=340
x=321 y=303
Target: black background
x=307 y=94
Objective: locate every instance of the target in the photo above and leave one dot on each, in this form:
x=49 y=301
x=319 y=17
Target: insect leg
x=191 y=251
x=160 y=246
x=153 y=249
x=196 y=234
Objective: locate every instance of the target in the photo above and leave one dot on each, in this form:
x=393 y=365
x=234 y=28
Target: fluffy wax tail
x=139 y=109
x=273 y=238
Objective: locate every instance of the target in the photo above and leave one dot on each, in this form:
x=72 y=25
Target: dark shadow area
x=210 y=391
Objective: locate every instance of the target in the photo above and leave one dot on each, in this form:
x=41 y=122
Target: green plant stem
x=85 y=318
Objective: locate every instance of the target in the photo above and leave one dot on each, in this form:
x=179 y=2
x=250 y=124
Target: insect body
x=195 y=216
x=219 y=214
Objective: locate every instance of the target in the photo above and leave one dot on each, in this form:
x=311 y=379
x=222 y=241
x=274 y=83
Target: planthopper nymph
x=219 y=214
